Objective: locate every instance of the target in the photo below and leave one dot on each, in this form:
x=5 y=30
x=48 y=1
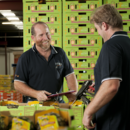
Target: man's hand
x=71 y=97
x=87 y=122
x=42 y=95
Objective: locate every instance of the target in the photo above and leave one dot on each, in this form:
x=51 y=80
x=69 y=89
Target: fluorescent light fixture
x=12 y=18
x=13 y=22
x=7 y=14
x=19 y=25
x=5 y=10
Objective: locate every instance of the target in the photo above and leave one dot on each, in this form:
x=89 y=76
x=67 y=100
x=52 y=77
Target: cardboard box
x=22 y=110
x=63 y=113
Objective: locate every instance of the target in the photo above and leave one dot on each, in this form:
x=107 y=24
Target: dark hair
x=33 y=26
x=108 y=14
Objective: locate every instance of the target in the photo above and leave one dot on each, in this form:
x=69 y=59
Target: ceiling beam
x=11 y=5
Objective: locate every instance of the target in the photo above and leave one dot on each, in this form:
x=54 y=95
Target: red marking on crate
x=82 y=45
x=43 y=11
x=81 y=22
x=50 y=22
x=80 y=33
x=83 y=10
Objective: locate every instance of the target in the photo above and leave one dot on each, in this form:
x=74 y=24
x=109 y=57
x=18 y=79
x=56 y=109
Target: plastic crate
x=81 y=64
x=82 y=41
x=126 y=26
x=119 y=4
x=125 y=15
x=55 y=30
x=76 y=17
x=30 y=19
x=55 y=41
x=35 y=7
x=80 y=29
x=6 y=76
x=82 y=52
x=83 y=75
x=76 y=6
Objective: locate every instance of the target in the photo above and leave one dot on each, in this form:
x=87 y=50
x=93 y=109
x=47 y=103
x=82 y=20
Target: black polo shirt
x=114 y=63
x=39 y=74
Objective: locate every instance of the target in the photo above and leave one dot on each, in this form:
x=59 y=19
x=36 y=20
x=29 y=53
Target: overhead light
x=13 y=22
x=5 y=10
x=19 y=25
x=12 y=18
x=7 y=14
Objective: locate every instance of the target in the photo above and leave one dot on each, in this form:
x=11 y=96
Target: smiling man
x=111 y=104
x=41 y=69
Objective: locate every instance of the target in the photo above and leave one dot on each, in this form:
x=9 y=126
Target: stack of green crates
x=48 y=12
x=81 y=41
x=123 y=7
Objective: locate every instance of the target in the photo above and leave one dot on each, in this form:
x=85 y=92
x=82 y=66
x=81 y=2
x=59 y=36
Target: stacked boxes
x=11 y=95
x=123 y=7
x=6 y=82
x=48 y=11
x=81 y=41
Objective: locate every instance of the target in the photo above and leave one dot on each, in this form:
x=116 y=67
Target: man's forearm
x=72 y=82
x=107 y=91
x=25 y=89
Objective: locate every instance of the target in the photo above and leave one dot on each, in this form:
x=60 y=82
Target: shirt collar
x=53 y=50
x=119 y=33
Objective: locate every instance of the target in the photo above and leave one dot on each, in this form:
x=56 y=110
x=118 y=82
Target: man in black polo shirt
x=111 y=104
x=41 y=69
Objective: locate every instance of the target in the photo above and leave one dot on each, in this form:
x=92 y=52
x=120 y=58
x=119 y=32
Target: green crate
x=55 y=41
x=81 y=64
x=126 y=26
x=82 y=41
x=82 y=53
x=55 y=30
x=84 y=75
x=35 y=7
x=125 y=15
x=30 y=19
x=123 y=5
x=70 y=6
x=76 y=17
x=80 y=29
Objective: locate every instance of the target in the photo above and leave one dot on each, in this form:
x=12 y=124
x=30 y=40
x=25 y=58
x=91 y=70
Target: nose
x=45 y=37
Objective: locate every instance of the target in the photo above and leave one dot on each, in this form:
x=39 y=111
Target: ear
x=105 y=26
x=33 y=37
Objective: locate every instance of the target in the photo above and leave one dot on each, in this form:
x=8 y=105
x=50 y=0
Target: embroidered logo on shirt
x=58 y=65
x=16 y=75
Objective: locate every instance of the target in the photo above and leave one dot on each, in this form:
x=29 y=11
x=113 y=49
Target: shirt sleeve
x=67 y=66
x=111 y=62
x=21 y=73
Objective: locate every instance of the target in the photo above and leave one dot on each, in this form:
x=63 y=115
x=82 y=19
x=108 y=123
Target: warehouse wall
x=10 y=59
